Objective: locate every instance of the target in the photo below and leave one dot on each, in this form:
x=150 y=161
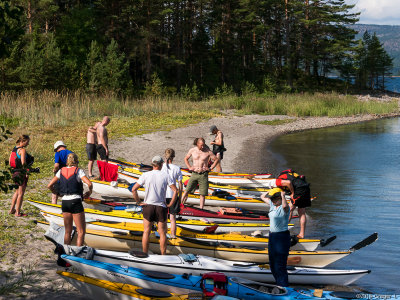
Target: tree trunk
x=29 y=16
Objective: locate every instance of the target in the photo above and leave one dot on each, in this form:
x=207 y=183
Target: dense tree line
x=194 y=45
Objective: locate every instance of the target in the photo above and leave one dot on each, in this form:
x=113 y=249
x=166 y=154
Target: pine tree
x=115 y=67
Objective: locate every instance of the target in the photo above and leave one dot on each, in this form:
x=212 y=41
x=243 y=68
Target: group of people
x=163 y=190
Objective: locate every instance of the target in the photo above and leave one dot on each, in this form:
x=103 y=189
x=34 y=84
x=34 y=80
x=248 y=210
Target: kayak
x=222 y=216
x=209 y=283
x=118 y=241
x=140 y=168
x=236 y=239
x=104 y=289
x=108 y=189
x=131 y=175
x=133 y=217
x=198 y=265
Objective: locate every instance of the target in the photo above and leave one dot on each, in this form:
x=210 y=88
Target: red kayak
x=225 y=215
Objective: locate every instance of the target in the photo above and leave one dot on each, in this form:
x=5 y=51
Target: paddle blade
x=329 y=240
x=365 y=242
x=293 y=260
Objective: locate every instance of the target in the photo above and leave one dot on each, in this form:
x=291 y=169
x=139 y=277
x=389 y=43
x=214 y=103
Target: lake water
x=393 y=84
x=354 y=171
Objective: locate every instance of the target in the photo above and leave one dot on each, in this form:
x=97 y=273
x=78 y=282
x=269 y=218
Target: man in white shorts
x=154 y=205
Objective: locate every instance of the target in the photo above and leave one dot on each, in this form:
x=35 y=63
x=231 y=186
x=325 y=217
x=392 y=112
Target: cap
x=157 y=160
x=58 y=144
x=275 y=192
x=212 y=128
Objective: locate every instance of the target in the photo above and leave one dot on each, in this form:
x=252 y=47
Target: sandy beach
x=246 y=142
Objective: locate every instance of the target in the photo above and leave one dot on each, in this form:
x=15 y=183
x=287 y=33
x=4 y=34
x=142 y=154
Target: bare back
x=91 y=136
x=102 y=136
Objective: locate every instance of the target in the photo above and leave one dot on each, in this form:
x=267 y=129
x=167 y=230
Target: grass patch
x=276 y=122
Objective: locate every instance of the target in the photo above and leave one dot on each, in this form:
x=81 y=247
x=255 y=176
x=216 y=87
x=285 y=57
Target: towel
x=108 y=172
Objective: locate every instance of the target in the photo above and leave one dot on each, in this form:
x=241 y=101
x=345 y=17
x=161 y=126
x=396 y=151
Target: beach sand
x=246 y=142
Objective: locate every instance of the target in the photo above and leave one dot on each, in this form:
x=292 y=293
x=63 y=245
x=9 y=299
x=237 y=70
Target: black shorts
x=91 y=151
x=102 y=152
x=155 y=213
x=176 y=208
x=73 y=206
x=303 y=201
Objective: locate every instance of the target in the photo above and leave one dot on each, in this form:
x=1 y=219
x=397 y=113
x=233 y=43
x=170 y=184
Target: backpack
x=15 y=161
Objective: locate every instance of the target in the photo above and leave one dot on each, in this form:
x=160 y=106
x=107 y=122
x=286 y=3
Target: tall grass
x=50 y=116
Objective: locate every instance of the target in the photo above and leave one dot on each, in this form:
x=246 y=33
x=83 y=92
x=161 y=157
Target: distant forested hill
x=389 y=35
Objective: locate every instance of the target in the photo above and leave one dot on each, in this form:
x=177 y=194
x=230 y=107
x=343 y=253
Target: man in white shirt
x=154 y=205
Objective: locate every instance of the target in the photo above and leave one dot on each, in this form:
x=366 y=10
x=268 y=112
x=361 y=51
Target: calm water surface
x=354 y=171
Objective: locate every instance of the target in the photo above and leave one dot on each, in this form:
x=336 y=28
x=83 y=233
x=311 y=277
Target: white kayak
x=128 y=217
x=198 y=265
x=118 y=190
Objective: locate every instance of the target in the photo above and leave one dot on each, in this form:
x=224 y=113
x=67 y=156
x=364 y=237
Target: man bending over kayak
x=200 y=155
x=154 y=205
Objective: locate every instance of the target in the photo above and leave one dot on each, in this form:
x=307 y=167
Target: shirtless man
x=200 y=155
x=218 y=146
x=102 y=139
x=91 y=143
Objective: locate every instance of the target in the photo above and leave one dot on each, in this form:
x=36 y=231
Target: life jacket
x=69 y=185
x=300 y=185
x=15 y=161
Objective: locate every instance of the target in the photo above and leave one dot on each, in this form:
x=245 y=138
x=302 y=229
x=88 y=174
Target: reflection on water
x=354 y=171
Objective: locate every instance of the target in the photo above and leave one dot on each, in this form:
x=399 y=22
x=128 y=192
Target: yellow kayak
x=234 y=238
x=131 y=217
x=104 y=289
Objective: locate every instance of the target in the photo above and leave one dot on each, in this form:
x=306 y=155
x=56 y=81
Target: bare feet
x=12 y=211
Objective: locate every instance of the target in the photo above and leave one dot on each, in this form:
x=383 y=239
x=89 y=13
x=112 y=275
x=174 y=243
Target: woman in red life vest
x=20 y=175
x=71 y=189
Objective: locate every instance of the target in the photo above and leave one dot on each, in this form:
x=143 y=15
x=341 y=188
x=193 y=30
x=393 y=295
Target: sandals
x=21 y=215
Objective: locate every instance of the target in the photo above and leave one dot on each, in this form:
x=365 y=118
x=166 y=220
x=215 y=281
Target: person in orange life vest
x=60 y=161
x=299 y=193
x=18 y=162
x=71 y=188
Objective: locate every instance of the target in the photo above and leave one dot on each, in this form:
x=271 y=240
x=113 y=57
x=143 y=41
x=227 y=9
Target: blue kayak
x=209 y=283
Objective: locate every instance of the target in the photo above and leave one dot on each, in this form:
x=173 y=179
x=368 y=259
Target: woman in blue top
x=279 y=235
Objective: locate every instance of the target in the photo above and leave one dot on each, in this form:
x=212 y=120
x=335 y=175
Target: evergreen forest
x=188 y=46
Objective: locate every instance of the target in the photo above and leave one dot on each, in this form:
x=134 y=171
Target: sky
x=381 y=12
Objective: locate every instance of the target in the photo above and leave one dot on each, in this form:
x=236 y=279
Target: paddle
x=365 y=242
x=329 y=240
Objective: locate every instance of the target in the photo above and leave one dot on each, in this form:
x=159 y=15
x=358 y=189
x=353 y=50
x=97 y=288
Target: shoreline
x=247 y=145
x=262 y=141
x=243 y=138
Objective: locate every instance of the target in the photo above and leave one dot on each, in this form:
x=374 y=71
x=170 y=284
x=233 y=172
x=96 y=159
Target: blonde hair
x=23 y=138
x=169 y=155
x=72 y=160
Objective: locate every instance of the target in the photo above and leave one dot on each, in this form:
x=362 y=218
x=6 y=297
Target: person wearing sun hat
x=60 y=161
x=155 y=208
x=279 y=235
